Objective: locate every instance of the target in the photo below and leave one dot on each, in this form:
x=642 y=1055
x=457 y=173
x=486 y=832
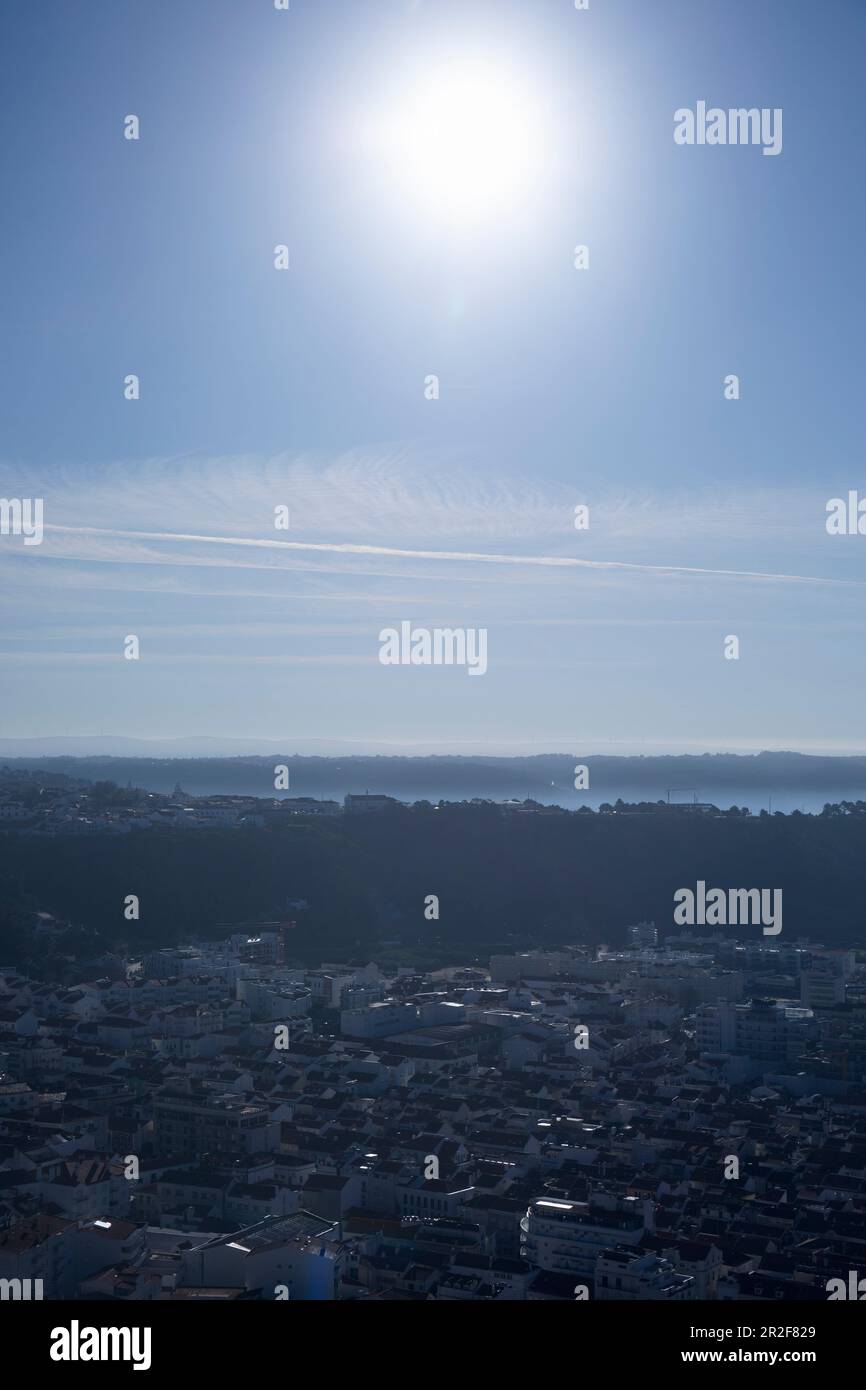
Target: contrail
x=347 y=548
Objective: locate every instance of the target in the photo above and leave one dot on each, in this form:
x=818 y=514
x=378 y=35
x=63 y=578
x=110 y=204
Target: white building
x=624 y=1275
x=568 y=1237
x=298 y=1257
x=823 y=981
x=763 y=1030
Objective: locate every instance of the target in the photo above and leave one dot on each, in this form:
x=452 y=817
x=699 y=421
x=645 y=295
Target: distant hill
x=456 y=777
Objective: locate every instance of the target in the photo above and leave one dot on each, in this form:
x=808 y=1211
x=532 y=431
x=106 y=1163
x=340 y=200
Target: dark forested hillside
x=502 y=880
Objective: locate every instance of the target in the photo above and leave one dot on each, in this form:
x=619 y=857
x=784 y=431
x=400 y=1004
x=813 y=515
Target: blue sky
x=306 y=387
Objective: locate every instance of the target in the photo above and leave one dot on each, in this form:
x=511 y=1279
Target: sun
x=463 y=141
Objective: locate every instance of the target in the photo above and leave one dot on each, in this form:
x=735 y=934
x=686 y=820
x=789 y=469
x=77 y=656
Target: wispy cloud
x=396 y=496
x=464 y=556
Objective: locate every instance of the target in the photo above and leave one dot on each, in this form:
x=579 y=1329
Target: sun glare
x=464 y=142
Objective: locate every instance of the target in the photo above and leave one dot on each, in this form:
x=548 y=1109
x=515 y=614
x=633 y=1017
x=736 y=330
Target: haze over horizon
x=212 y=746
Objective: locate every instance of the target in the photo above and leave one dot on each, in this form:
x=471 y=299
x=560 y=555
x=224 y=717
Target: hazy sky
x=306 y=387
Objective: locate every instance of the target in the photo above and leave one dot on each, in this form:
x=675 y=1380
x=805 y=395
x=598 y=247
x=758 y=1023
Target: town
x=55 y=803
x=214 y=1121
